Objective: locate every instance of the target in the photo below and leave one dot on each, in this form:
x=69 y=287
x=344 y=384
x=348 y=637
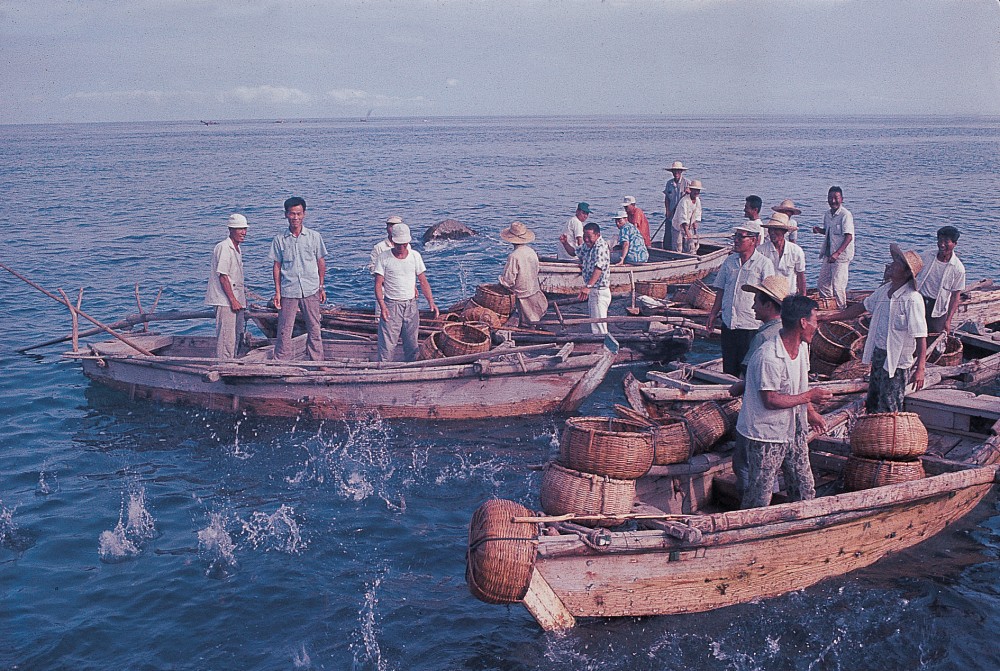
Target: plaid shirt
x=598 y=256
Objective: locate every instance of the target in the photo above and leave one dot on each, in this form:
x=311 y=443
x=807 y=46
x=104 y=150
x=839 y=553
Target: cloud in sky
x=99 y=60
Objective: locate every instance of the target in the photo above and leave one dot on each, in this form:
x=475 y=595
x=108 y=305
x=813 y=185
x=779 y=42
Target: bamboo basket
x=889 y=435
x=429 y=348
x=459 y=307
x=821 y=367
x=851 y=370
x=495 y=297
x=861 y=473
x=671 y=442
x=707 y=424
x=952 y=355
x=833 y=340
x=458 y=338
x=617 y=448
x=700 y=295
x=731 y=411
x=477 y=313
x=565 y=491
x=501 y=552
x=652 y=288
x=824 y=303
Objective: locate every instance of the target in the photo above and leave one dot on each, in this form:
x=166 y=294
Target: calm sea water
x=148 y=537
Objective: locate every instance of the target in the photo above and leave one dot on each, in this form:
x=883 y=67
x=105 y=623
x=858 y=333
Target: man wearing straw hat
x=686 y=218
x=520 y=275
x=226 y=289
x=897 y=336
x=745 y=265
x=396 y=275
x=672 y=194
x=637 y=218
x=788 y=258
x=787 y=206
x=838 y=247
x=777 y=408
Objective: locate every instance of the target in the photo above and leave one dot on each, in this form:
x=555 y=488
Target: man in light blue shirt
x=299 y=258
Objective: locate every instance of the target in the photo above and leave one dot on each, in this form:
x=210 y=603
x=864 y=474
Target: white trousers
x=597 y=307
x=832 y=281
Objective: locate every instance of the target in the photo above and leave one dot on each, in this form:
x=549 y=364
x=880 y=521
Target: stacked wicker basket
x=455 y=339
x=699 y=295
x=835 y=344
x=885 y=450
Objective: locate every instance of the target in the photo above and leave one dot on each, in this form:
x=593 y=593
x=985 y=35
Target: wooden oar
x=103 y=327
x=634 y=311
x=128 y=322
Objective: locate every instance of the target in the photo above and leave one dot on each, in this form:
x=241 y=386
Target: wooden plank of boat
x=563 y=277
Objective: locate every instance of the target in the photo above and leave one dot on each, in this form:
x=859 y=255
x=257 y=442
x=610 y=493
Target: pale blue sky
x=123 y=60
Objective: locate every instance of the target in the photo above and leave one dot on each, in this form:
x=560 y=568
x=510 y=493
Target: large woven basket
x=708 y=424
x=952 y=355
x=429 y=348
x=477 y=313
x=731 y=411
x=671 y=442
x=824 y=303
x=700 y=295
x=617 y=448
x=889 y=435
x=501 y=552
x=565 y=491
x=862 y=473
x=495 y=297
x=458 y=338
x=852 y=370
x=821 y=367
x=652 y=288
x=832 y=342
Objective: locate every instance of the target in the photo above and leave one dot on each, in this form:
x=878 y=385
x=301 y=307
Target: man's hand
x=277 y=301
x=819 y=395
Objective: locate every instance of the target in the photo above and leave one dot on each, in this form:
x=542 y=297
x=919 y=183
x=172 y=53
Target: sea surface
x=142 y=536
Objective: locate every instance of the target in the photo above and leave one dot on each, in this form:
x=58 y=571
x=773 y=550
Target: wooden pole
x=103 y=327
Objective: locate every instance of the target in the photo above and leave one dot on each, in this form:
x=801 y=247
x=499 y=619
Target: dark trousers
x=735 y=345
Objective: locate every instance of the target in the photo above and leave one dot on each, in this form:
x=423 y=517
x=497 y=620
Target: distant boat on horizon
x=209 y=123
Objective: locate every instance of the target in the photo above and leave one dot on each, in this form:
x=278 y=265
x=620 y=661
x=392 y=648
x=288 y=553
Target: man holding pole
x=227 y=290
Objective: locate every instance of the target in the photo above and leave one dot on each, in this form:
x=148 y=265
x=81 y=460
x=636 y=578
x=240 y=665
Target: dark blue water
x=148 y=537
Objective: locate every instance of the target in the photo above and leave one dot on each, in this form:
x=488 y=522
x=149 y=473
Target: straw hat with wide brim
x=676 y=165
x=696 y=184
x=788 y=207
x=780 y=220
x=517 y=233
x=909 y=258
x=774 y=287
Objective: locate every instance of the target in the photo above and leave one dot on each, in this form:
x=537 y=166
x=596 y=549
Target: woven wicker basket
x=700 y=295
x=429 y=348
x=824 y=303
x=495 y=297
x=458 y=338
x=731 y=411
x=566 y=491
x=852 y=370
x=671 y=442
x=861 y=473
x=862 y=324
x=952 y=355
x=833 y=340
x=821 y=367
x=501 y=553
x=477 y=313
x=708 y=424
x=652 y=288
x=617 y=448
x=889 y=435
x=460 y=306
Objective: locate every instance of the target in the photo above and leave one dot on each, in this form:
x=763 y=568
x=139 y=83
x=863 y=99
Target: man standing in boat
x=637 y=218
x=674 y=190
x=777 y=409
x=787 y=206
x=227 y=289
x=897 y=337
x=520 y=275
x=572 y=235
x=751 y=210
x=941 y=281
x=397 y=272
x=383 y=245
x=787 y=257
x=298 y=258
x=838 y=247
x=686 y=218
x=595 y=265
x=745 y=265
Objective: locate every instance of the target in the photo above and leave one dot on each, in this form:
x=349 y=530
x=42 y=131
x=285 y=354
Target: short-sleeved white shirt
x=939 y=279
x=226 y=260
x=789 y=264
x=737 y=305
x=380 y=248
x=896 y=324
x=838 y=224
x=770 y=368
x=573 y=229
x=400 y=275
x=687 y=212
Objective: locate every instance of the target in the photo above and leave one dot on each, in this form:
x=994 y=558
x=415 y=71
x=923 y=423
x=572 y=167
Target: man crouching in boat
x=227 y=291
x=897 y=337
x=777 y=409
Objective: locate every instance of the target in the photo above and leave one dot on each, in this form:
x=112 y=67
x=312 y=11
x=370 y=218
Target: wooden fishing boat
x=503 y=382
x=563 y=277
x=684 y=549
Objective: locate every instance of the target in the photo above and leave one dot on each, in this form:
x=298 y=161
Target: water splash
x=236 y=450
x=48 y=483
x=277 y=531
x=216 y=547
x=366 y=648
x=135 y=525
x=300 y=658
x=11 y=536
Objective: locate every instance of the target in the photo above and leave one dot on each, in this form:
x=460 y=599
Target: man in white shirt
x=745 y=265
x=674 y=190
x=227 y=289
x=396 y=274
x=751 y=210
x=686 y=218
x=383 y=245
x=788 y=258
x=572 y=235
x=941 y=281
x=838 y=247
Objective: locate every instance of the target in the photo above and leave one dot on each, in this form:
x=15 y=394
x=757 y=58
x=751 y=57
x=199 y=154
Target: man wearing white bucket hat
x=397 y=272
x=227 y=290
x=637 y=218
x=672 y=194
x=520 y=275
